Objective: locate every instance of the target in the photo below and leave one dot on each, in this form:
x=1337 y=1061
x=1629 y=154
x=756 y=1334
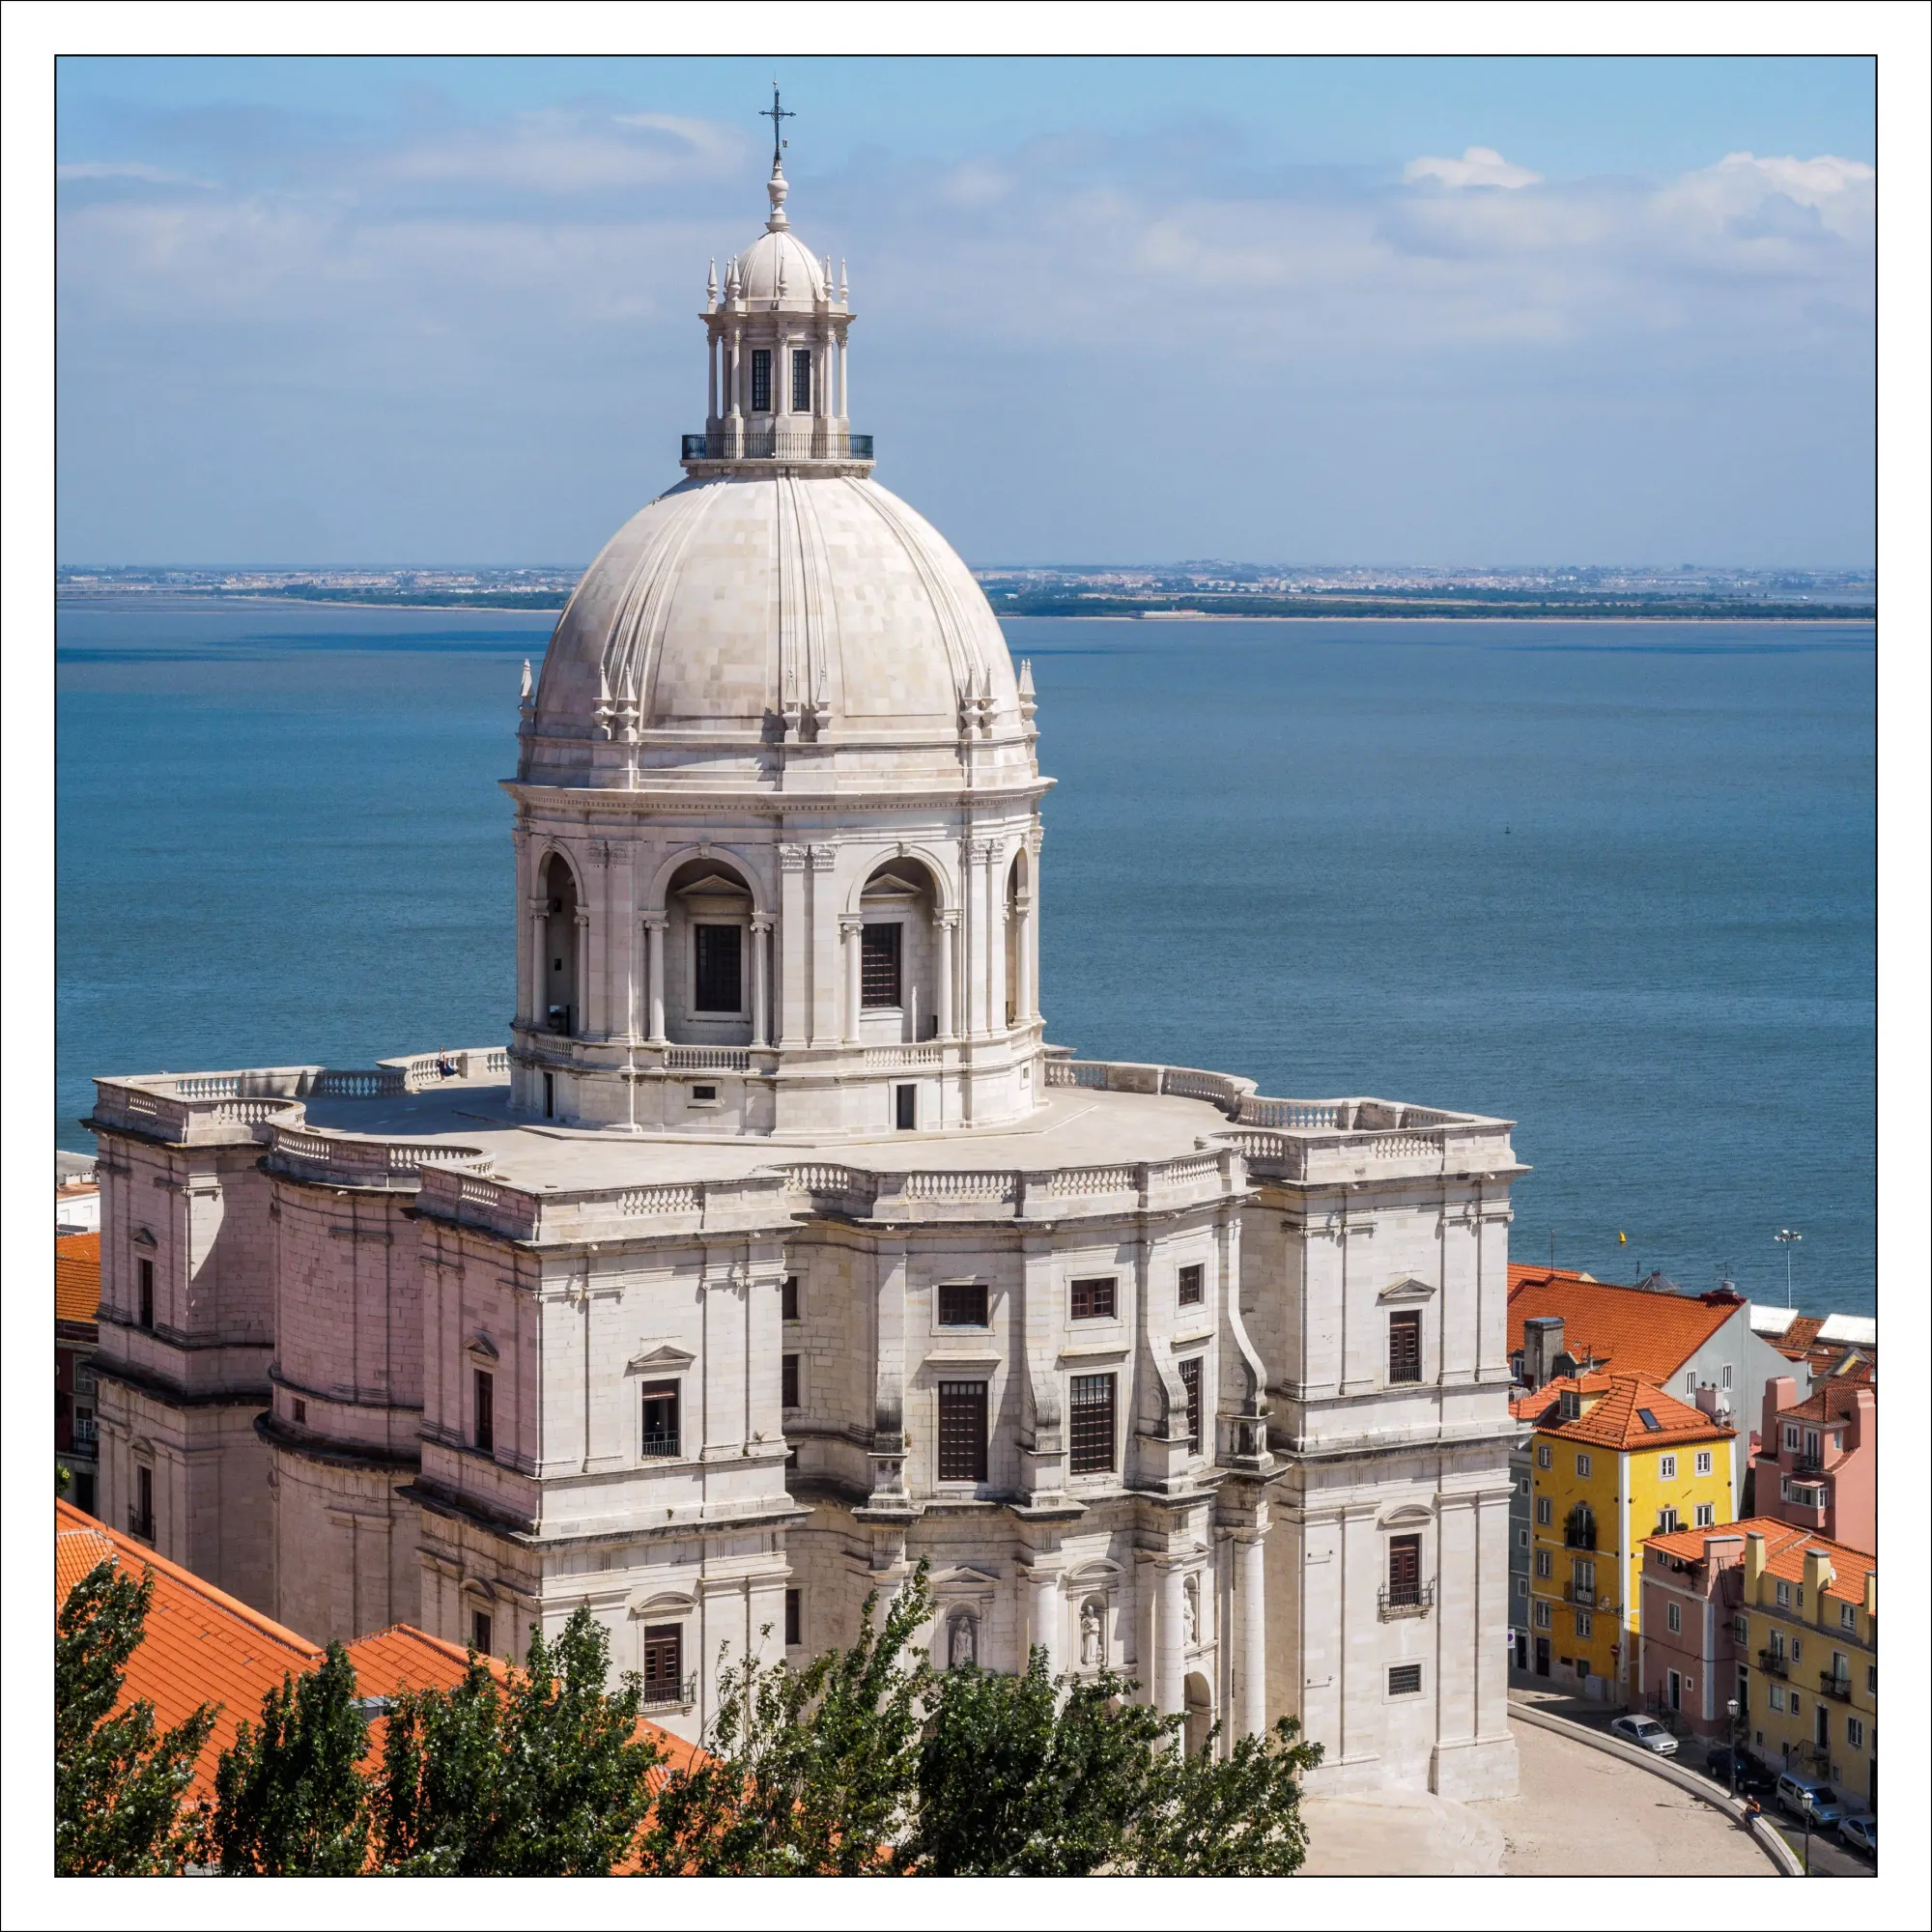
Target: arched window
x=559 y=1007
x=897 y=964
x=710 y=962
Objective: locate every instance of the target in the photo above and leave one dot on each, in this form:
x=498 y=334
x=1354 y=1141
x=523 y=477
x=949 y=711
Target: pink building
x=1686 y=1656
x=1817 y=1463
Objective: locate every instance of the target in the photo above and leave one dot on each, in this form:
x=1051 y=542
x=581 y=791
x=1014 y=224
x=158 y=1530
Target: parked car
x=1861 y=1832
x=1826 y=1807
x=1646 y=1733
x=1754 y=1780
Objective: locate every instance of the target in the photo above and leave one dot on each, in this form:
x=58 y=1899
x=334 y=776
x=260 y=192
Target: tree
x=810 y=1773
x=290 y=1799
x=1232 y=1817
x=543 y=1777
x=116 y=1786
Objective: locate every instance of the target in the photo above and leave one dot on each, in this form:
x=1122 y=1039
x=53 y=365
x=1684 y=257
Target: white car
x=1646 y=1733
x=1861 y=1832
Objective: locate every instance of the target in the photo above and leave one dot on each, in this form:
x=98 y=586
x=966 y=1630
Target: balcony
x=1833 y=1685
x=670 y=1697
x=660 y=1446
x=1405 y=1599
x=819 y=442
x=85 y=1434
x=1774 y=1663
x=1807 y=1465
x=140 y=1523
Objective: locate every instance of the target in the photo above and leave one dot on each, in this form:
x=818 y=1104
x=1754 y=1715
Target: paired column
x=826 y=1024
x=851 y=935
x=539 y=921
x=655 y=924
x=761 y=946
x=996 y=940
x=945 y=936
x=1023 y=959
x=794 y=1023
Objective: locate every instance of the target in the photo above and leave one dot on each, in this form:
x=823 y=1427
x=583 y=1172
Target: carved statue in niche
x=1092 y=1633
x=1190 y=1609
x=962 y=1639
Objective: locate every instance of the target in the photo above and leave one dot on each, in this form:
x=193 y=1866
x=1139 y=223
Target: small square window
x=962 y=1304
x=1094 y=1301
x=1703 y=1461
x=788 y=1381
x=794 y=1619
x=788 y=1300
x=1193 y=1285
x=1405 y=1680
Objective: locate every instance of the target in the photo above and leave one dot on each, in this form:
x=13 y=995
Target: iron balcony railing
x=670 y=1696
x=1774 y=1662
x=1808 y=1465
x=1406 y=1599
x=1835 y=1684
x=660 y=1445
x=140 y=1523
x=767 y=442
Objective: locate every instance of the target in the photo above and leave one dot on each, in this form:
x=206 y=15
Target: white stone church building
x=777 y=1250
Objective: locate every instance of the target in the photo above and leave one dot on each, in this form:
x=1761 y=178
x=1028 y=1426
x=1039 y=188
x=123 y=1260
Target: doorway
x=1543 y=1657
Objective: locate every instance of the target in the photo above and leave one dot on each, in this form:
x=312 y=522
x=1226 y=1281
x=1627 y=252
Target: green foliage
x=290 y=1800
x=544 y=1779
x=63 y=1479
x=116 y=1786
x=1232 y=1817
x=814 y=1771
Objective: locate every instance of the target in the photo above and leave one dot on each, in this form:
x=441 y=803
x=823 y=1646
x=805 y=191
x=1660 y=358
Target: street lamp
x=1789 y=1237
x=1731 y=1705
x=1806 y=1801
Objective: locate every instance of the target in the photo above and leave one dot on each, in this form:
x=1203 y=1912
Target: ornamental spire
x=778 y=187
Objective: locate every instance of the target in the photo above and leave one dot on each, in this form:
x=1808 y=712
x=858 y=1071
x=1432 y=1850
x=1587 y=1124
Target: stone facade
x=777 y=1254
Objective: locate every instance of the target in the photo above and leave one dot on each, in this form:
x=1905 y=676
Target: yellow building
x=1806 y=1637
x=1613 y=1461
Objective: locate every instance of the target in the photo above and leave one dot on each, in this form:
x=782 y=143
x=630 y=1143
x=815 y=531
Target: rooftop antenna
x=777 y=116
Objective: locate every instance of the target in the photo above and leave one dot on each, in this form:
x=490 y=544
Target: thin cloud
x=136 y=171
x=1479 y=167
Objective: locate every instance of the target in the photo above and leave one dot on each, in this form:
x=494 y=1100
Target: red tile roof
x=78 y=1277
x=1784 y=1547
x=1642 y=1331
x=1831 y=1400
x=1617 y=1421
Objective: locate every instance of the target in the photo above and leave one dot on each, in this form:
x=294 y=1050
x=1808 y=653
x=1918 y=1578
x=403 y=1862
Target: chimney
x=1754 y=1563
x=1871 y=1593
x=1542 y=1343
x=1863 y=1416
x=1818 y=1572
x=1717 y=1549
x=1780 y=1392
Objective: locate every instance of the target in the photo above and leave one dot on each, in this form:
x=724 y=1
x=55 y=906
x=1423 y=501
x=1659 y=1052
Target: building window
x=664 y=1664
x=1690 y=1381
x=1093 y=1301
x=1090 y=1417
x=1741 y=1631
x=1405 y=1680
x=1546 y=1565
x=1666 y=1469
x=1724 y=1376
x=1847 y=1616
x=1673 y=1615
x=1854 y=1733
x=144 y=1274
x=484 y=1435
x=1406 y=1345
x=1579 y=1527
x=1703 y=1461
x=1523 y=1486
x=1776 y=1697
x=788 y=1300
x=1193 y=1288
x=298 y=1411
x=1667 y=1522
x=761 y=380
x=962 y=1304
x=482 y=1632
x=905 y=1107
x=1796 y=1648
x=1190 y=1382
x=1871 y=1678
x=1583 y=1465
x=141 y=1513
x=801 y=382
x=1583 y=1578
x=962 y=1431
x=1545 y=1511
x=1543 y=1456
x=788 y=1381
x=794 y=1619
x=1783 y=1596
x=659 y=1419
x=1707 y=1515
x=1523 y=1538
x=1404 y=1571
x=879 y=951
x=720 y=969
x=1540 y=1615
x=1569 y=1406
x=1586 y=1624
x=1522 y=1586
x=1791 y=1435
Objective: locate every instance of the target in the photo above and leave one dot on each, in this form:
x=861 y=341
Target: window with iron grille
x=788 y=1381
x=659 y=1419
x=720 y=969
x=663 y=1663
x=1190 y=1381
x=801 y=382
x=962 y=1431
x=1193 y=1285
x=144 y=1270
x=1404 y=1570
x=794 y=1619
x=485 y=1434
x=1094 y=1301
x=1089 y=1435
x=761 y=380
x=962 y=1304
x=879 y=949
x=788 y=1300
x=1405 y=1680
x=1406 y=1345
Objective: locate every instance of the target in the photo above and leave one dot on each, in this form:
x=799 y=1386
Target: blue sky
x=1454 y=311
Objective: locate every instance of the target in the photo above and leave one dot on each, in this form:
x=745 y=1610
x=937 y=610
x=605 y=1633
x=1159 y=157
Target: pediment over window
x=963 y=1577
x=714 y=886
x=1407 y=1288
x=483 y=1349
x=660 y=1359
x=1406 y=1516
x=663 y=1604
x=142 y=1239
x=1101 y=1570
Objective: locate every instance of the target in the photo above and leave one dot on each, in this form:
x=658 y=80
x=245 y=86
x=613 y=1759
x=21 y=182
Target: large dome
x=740 y=612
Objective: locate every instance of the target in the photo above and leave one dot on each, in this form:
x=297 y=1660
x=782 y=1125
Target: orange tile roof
x=1641 y=1331
x=1784 y=1547
x=78 y=1277
x=1830 y=1401
x=1614 y=1422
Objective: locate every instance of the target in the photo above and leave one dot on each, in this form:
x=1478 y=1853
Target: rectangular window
x=794 y=1619
x=1543 y=1456
x=1190 y=1382
x=962 y=1431
x=1776 y=1695
x=1583 y=1576
x=801 y=382
x=720 y=978
x=144 y=1272
x=1522 y=1586
x=1089 y=1435
x=659 y=1419
x=1523 y=1538
x=1703 y=1461
x=664 y=1664
x=879 y=949
x=788 y=1381
x=1405 y=1680
x=761 y=380
x=1691 y=1382
x=485 y=1434
x=1791 y=1435
x=1193 y=1289
x=1406 y=1345
x=1871 y=1678
x=1796 y=1648
x=1666 y=1469
x=905 y=1108
x=1783 y=1596
x=1673 y=1615
x=482 y=1632
x=1545 y=1564
x=1404 y=1570
x=141 y=1518
x=1586 y=1624
x=1583 y=1465
x=1741 y=1631
x=1539 y=1615
x=1545 y=1511
x=1093 y=1301
x=299 y=1408
x=1854 y=1733
x=962 y=1304
x=1707 y=1515
x=1847 y=1616
x=1666 y=1522
x=788 y=1300
x=1724 y=1376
